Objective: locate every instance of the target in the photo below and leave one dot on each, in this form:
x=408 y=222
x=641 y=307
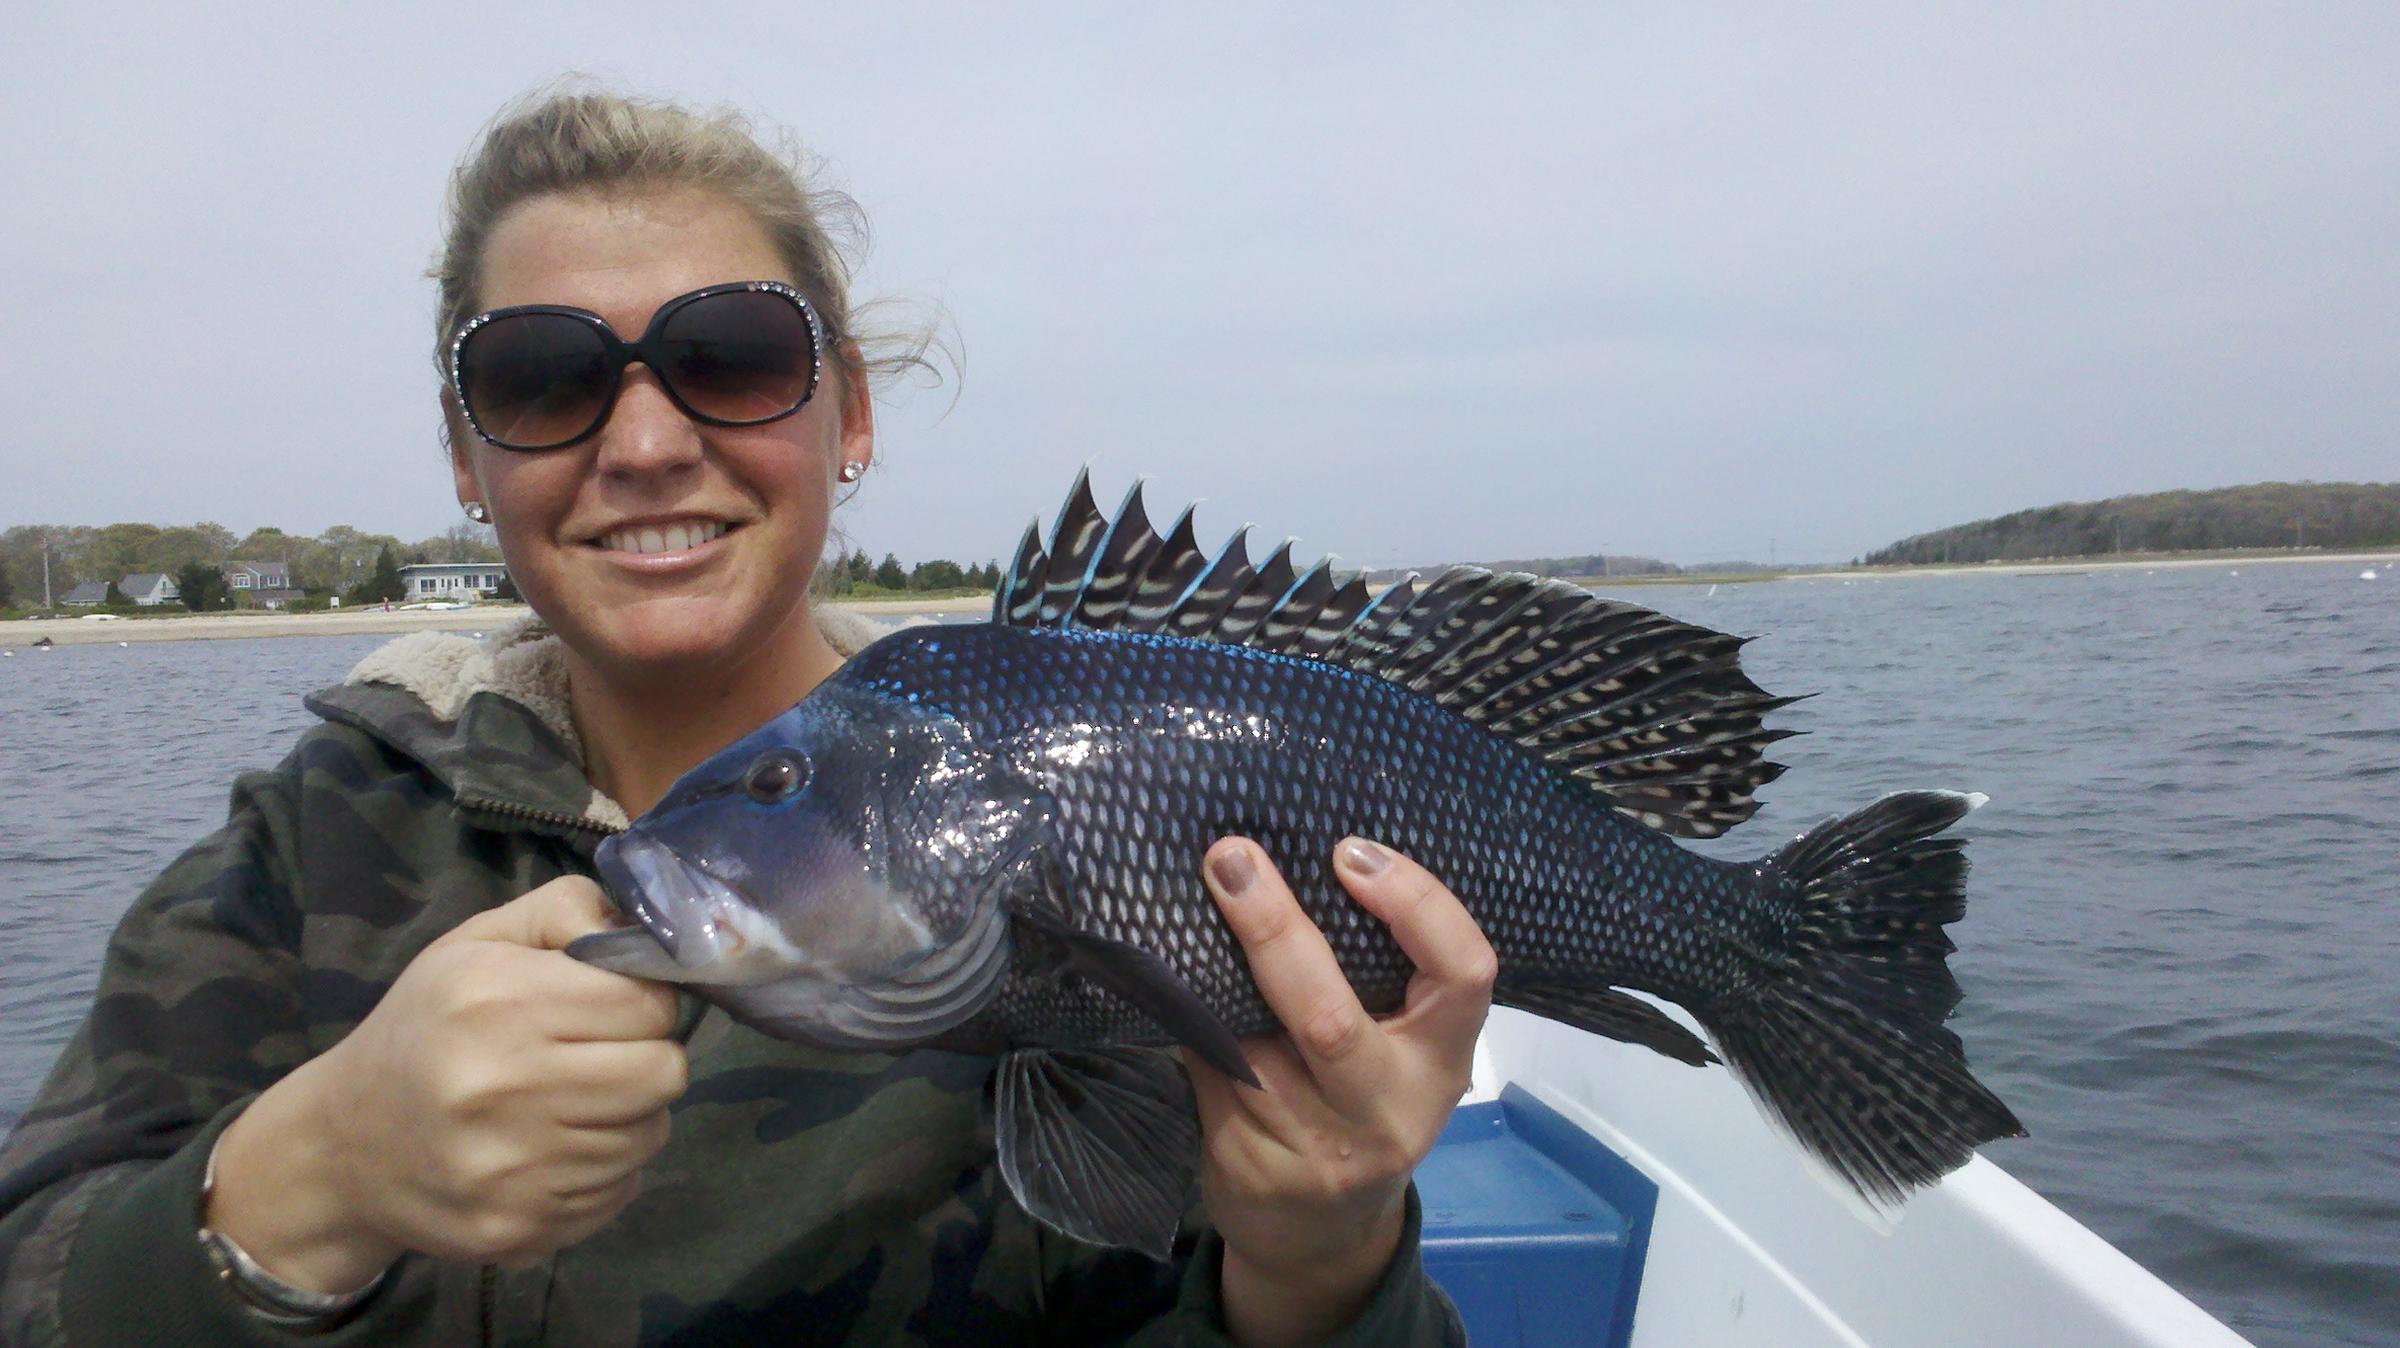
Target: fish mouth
x=699 y=919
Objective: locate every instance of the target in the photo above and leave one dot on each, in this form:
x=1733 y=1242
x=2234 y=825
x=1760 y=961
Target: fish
x=988 y=838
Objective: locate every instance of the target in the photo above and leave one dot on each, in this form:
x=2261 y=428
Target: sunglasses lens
x=533 y=381
x=739 y=357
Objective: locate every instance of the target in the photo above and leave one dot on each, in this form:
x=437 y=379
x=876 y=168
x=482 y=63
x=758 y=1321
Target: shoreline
x=21 y=634
x=2062 y=566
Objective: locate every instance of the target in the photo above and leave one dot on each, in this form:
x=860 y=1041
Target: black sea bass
x=988 y=838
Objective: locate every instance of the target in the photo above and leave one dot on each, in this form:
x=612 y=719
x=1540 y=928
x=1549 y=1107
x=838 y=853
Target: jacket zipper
x=527 y=814
x=484 y=1296
x=488 y=1283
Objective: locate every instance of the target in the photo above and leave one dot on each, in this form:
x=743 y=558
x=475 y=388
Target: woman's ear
x=456 y=435
x=858 y=410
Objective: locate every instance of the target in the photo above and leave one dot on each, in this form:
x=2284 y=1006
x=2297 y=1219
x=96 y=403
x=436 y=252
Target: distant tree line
x=339 y=561
x=2264 y=515
x=855 y=574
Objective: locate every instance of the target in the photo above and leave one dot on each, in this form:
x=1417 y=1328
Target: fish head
x=830 y=877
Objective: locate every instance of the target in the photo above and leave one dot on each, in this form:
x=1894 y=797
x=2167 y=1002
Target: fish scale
x=1170 y=744
x=989 y=839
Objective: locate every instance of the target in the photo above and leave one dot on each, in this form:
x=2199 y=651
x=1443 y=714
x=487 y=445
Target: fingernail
x=1233 y=872
x=1363 y=857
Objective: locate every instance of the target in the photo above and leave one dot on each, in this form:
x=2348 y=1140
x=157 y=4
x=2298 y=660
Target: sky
x=1415 y=284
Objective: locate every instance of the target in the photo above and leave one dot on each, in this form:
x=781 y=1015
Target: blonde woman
x=339 y=1080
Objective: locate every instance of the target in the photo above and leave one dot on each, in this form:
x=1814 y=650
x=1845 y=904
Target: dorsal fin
x=1653 y=714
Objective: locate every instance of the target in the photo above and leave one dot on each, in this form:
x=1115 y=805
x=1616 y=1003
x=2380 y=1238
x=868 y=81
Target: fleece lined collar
x=488 y=715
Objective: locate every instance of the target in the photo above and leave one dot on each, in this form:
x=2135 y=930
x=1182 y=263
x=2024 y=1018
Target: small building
x=150 y=588
x=438 y=581
x=90 y=594
x=264 y=584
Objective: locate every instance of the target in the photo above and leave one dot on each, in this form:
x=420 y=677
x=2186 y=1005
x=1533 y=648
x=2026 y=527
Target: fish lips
x=671 y=898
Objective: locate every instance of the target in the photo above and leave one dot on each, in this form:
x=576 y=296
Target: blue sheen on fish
x=988 y=838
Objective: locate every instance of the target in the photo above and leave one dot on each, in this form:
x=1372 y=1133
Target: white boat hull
x=1749 y=1247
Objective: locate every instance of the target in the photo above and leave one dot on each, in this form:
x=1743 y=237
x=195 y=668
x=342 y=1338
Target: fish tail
x=1841 y=1041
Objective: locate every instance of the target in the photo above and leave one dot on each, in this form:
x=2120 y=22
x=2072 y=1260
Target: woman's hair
x=562 y=141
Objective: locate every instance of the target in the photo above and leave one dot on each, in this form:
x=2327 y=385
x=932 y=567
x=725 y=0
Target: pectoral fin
x=1142 y=978
x=1102 y=1144
x=629 y=950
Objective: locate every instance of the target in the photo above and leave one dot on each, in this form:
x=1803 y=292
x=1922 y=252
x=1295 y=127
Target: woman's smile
x=664 y=545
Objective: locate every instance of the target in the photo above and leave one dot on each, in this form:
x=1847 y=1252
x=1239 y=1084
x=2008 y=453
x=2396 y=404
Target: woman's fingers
x=1452 y=991
x=547 y=917
x=1296 y=972
x=603 y=1084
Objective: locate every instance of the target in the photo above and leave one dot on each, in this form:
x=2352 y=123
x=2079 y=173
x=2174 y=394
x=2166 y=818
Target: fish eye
x=776 y=777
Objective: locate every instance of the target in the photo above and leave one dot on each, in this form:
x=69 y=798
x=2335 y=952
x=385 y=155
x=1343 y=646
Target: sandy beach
x=78 y=631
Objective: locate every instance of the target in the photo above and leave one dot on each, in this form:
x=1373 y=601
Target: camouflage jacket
x=804 y=1198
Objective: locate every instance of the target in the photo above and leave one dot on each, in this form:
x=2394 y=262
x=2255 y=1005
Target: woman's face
x=573 y=521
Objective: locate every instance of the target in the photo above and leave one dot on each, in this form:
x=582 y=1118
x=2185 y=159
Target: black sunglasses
x=544 y=376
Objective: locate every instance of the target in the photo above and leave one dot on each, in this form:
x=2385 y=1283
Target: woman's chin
x=675 y=638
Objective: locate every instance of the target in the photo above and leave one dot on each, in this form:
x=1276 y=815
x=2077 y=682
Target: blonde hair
x=567 y=140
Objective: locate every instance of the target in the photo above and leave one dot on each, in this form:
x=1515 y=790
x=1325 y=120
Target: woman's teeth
x=673 y=538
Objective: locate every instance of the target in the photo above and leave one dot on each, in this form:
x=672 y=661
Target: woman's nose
x=646 y=431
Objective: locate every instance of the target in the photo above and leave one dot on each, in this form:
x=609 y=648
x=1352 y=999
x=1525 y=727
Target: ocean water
x=2182 y=948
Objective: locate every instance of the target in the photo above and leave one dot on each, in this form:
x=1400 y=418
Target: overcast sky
x=1415 y=285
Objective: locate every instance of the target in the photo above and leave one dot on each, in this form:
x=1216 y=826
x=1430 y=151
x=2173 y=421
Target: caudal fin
x=1842 y=1040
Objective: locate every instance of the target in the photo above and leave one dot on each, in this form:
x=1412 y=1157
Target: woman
x=339 y=1081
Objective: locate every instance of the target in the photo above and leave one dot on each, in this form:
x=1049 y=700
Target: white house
x=150 y=589
x=451 y=580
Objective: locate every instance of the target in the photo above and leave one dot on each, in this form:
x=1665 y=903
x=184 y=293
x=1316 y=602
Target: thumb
x=546 y=918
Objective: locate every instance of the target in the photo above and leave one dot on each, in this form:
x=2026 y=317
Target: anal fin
x=1102 y=1144
x=1606 y=1011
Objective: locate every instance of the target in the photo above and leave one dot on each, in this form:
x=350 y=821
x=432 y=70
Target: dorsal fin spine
x=1653 y=715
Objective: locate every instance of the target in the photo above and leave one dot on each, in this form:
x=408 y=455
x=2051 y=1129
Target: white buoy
x=121 y=645
x=2368 y=574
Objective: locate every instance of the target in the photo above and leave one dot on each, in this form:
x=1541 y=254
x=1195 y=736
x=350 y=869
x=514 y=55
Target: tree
x=889 y=575
x=462 y=542
x=265 y=544
x=938 y=574
x=507 y=593
x=385 y=585
x=117 y=549
x=202 y=586
x=6 y=598
x=859 y=568
x=114 y=597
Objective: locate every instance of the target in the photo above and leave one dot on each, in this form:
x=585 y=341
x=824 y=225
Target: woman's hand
x=496 y=1105
x=1306 y=1179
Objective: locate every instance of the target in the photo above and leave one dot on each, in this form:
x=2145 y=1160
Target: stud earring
x=477 y=513
x=853 y=470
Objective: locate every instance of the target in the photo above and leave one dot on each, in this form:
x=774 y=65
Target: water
x=2179 y=956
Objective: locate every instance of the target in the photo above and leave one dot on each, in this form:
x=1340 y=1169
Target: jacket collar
x=488 y=715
